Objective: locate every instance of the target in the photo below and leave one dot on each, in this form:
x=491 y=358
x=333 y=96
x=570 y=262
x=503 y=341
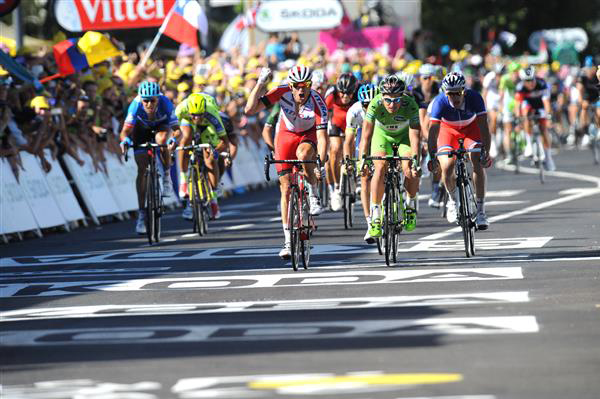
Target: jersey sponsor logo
x=399 y=118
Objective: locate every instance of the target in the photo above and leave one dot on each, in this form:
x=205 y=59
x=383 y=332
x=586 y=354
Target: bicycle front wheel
x=205 y=201
x=294 y=227
x=464 y=217
x=305 y=232
x=389 y=234
x=346 y=201
x=150 y=204
x=195 y=201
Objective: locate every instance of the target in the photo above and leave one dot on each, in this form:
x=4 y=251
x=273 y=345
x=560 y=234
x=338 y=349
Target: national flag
x=184 y=21
x=73 y=55
x=68 y=57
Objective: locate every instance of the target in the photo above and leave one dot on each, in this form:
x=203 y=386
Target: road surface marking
x=264 y=306
x=239 y=226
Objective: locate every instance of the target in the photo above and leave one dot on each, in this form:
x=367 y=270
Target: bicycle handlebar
x=459 y=151
x=269 y=160
x=137 y=146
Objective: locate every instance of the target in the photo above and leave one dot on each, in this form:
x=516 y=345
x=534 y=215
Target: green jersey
x=506 y=83
x=392 y=128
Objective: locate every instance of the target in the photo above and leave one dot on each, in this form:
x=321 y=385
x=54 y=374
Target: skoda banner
x=283 y=16
x=84 y=15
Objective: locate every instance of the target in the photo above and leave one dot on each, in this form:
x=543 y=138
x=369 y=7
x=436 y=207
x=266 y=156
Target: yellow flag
x=97 y=47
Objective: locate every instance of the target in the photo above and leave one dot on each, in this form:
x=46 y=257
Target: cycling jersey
x=211 y=126
x=533 y=98
x=273 y=116
x=590 y=88
x=392 y=128
x=354 y=120
x=490 y=83
x=164 y=115
x=295 y=127
x=458 y=122
x=311 y=116
x=339 y=110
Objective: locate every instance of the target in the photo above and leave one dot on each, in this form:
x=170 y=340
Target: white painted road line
x=263 y=306
x=239 y=226
x=272 y=331
x=261 y=281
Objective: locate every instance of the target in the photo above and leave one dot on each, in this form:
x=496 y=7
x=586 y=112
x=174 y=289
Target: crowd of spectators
x=84 y=112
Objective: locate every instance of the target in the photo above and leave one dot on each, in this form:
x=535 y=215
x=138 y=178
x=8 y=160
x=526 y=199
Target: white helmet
x=527 y=73
x=299 y=74
x=453 y=81
x=408 y=78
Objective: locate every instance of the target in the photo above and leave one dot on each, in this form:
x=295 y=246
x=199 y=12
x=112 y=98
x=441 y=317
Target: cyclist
x=587 y=84
x=533 y=98
x=338 y=101
x=508 y=88
x=392 y=118
x=199 y=114
x=460 y=113
x=301 y=134
x=354 y=122
x=150 y=117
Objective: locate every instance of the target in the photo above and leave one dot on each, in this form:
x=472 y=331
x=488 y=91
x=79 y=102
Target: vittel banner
x=84 y=15
x=281 y=15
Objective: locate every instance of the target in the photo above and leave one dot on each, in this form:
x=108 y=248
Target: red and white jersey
x=312 y=115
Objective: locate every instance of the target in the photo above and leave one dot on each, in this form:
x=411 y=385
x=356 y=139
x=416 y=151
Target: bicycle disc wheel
x=463 y=214
x=294 y=225
x=149 y=206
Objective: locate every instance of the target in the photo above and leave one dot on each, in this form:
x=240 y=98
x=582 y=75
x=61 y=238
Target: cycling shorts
x=382 y=143
x=539 y=112
x=142 y=134
x=448 y=137
x=286 y=144
x=336 y=131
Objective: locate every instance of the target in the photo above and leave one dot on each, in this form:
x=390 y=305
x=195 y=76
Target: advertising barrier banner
x=62 y=192
x=15 y=213
x=371 y=37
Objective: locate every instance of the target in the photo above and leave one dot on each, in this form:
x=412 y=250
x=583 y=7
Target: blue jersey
x=164 y=115
x=457 y=118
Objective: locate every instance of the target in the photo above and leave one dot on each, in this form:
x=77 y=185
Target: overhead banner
x=284 y=16
x=554 y=37
x=84 y=15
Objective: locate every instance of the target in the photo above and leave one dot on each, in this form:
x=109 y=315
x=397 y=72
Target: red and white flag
x=184 y=21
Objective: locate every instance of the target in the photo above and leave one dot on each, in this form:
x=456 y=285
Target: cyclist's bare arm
x=547 y=106
x=126 y=131
x=434 y=130
x=365 y=140
x=484 y=129
x=254 y=105
x=267 y=136
x=414 y=135
x=322 y=143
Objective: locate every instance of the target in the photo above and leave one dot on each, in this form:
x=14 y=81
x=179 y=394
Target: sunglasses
x=301 y=85
x=149 y=100
x=197 y=115
x=426 y=77
x=454 y=93
x=392 y=100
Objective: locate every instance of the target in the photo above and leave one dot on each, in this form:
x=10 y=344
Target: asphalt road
x=96 y=313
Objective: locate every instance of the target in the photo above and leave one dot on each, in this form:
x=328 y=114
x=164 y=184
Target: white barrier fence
x=40 y=200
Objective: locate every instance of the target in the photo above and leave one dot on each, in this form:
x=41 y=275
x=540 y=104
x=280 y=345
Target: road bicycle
x=393 y=212
x=153 y=201
x=467 y=209
x=348 y=187
x=301 y=223
x=324 y=193
x=537 y=145
x=594 y=133
x=199 y=185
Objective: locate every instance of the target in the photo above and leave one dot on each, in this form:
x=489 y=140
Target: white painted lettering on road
x=263 y=306
x=272 y=331
x=261 y=281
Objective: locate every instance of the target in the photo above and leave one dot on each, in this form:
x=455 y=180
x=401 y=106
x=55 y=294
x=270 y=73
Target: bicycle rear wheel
x=538 y=151
x=195 y=201
x=149 y=205
x=346 y=201
x=398 y=206
x=305 y=232
x=205 y=201
x=472 y=209
x=294 y=227
x=464 y=217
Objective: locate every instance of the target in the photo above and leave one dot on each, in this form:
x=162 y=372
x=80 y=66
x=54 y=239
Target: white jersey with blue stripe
x=457 y=118
x=164 y=115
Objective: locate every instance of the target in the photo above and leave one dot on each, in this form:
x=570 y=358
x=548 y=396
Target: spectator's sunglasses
x=301 y=85
x=454 y=93
x=149 y=100
x=389 y=100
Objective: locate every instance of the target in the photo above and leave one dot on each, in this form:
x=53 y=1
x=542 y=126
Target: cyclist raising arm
x=460 y=113
x=391 y=118
x=301 y=132
x=150 y=117
x=199 y=114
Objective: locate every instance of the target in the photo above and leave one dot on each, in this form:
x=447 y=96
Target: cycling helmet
x=367 y=92
x=392 y=84
x=454 y=81
x=299 y=74
x=427 y=70
x=514 y=66
x=149 y=89
x=196 y=104
x=527 y=73
x=408 y=78
x=347 y=83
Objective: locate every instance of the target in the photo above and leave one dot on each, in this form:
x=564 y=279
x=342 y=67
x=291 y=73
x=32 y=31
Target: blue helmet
x=367 y=92
x=149 y=89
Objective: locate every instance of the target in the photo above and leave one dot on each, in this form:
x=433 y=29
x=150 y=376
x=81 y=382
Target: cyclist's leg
x=448 y=140
x=212 y=167
x=306 y=151
x=161 y=138
x=141 y=136
x=335 y=160
x=183 y=158
x=380 y=146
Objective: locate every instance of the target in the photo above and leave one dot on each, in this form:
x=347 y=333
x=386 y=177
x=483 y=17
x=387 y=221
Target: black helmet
x=392 y=84
x=347 y=83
